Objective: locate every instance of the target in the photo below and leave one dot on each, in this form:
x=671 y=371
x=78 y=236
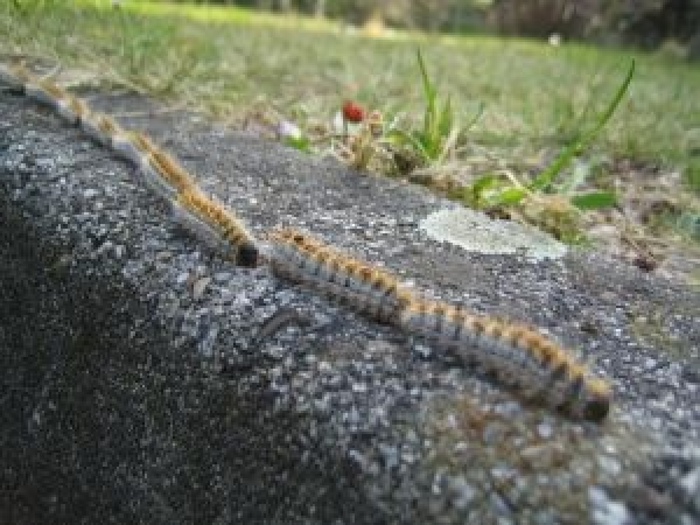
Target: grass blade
x=429 y=92
x=446 y=119
x=594 y=200
x=400 y=137
x=545 y=179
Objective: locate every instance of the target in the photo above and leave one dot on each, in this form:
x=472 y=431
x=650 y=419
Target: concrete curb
x=140 y=393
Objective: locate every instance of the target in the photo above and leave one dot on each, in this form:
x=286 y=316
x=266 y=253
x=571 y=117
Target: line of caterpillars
x=204 y=216
x=518 y=355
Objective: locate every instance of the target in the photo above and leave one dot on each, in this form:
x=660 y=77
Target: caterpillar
x=15 y=76
x=518 y=355
x=299 y=257
x=101 y=128
x=202 y=216
x=280 y=319
x=222 y=227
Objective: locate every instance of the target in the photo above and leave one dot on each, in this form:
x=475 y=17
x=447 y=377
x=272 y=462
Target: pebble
x=691 y=483
x=605 y=510
x=650 y=363
x=611 y=466
x=463 y=492
x=390 y=456
x=422 y=351
x=222 y=277
x=545 y=430
x=199 y=287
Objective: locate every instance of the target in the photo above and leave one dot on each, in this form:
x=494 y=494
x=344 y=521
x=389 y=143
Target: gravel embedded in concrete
x=138 y=390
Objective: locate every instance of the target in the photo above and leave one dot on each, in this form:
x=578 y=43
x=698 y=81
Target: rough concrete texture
x=135 y=388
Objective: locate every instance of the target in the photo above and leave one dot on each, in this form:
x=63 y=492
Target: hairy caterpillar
x=71 y=109
x=15 y=76
x=302 y=258
x=170 y=170
x=161 y=173
x=138 y=148
x=517 y=354
x=45 y=92
x=204 y=217
x=218 y=224
x=100 y=128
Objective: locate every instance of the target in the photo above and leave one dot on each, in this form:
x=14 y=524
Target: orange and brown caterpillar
x=137 y=148
x=160 y=171
x=206 y=218
x=101 y=128
x=43 y=91
x=518 y=355
x=299 y=257
x=217 y=225
x=15 y=76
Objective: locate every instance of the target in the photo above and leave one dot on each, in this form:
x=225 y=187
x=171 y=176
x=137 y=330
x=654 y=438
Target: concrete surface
x=134 y=389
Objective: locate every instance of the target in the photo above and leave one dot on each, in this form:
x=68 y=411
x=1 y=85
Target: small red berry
x=353 y=112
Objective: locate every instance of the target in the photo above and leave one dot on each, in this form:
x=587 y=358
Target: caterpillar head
x=247 y=255
x=590 y=400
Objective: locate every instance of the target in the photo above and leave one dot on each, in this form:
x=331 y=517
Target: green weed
x=545 y=179
x=438 y=137
x=548 y=200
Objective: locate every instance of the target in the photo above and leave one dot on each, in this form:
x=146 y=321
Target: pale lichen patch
x=475 y=232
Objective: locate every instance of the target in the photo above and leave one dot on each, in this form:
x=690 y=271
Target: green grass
x=236 y=64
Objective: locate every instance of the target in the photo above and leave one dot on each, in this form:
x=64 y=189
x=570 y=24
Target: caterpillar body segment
x=98 y=127
x=152 y=172
x=45 y=92
x=67 y=106
x=170 y=170
x=143 y=151
x=202 y=230
x=316 y=258
x=151 y=176
x=71 y=109
x=18 y=78
x=144 y=143
x=217 y=215
x=382 y=311
x=15 y=76
x=369 y=290
x=109 y=128
x=224 y=222
x=127 y=146
x=518 y=355
x=137 y=149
